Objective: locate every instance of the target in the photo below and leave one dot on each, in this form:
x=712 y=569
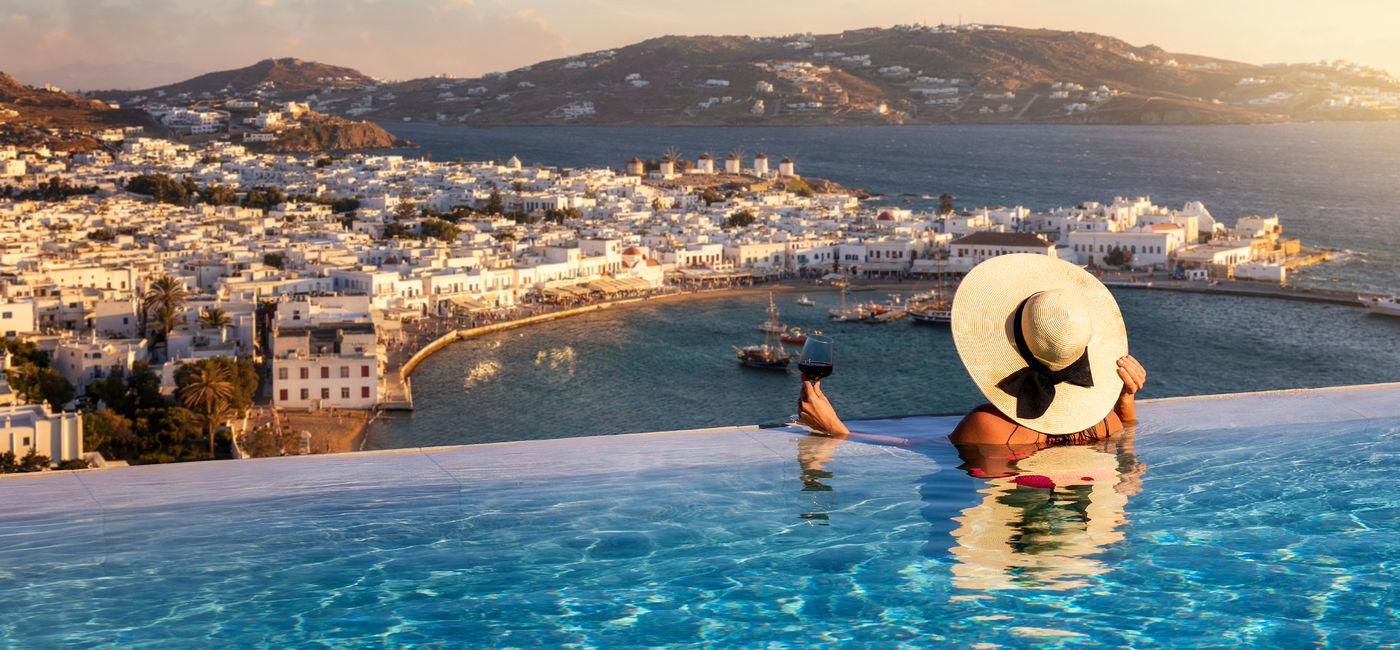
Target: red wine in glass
x=814 y=370
x=817 y=357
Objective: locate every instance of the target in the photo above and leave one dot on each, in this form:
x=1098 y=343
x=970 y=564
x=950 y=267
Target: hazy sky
x=400 y=39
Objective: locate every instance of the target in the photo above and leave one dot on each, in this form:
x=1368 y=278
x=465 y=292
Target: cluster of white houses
x=72 y=273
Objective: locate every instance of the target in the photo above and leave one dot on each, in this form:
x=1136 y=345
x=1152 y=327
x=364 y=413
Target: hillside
x=33 y=116
x=904 y=75
x=270 y=78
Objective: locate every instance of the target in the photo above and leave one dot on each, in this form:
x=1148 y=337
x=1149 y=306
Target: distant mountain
x=909 y=74
x=270 y=78
x=904 y=75
x=88 y=76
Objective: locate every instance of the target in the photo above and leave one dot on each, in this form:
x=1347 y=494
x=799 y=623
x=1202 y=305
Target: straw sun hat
x=1073 y=336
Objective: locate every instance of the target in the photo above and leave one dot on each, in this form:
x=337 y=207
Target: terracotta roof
x=1023 y=239
x=1164 y=226
x=632 y=250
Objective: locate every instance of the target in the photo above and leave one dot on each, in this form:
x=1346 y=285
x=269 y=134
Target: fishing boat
x=1383 y=305
x=772 y=324
x=795 y=336
x=771 y=354
x=805 y=301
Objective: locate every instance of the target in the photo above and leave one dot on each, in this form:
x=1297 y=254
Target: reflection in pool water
x=1245 y=530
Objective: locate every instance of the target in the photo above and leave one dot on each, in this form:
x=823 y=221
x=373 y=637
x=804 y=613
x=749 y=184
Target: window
x=26 y=441
x=8 y=314
x=364 y=371
x=325 y=372
x=364 y=391
x=282 y=395
x=345 y=393
x=305 y=373
x=344 y=372
x=282 y=373
x=325 y=393
x=305 y=394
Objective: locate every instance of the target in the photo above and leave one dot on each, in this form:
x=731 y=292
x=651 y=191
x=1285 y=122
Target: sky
x=141 y=43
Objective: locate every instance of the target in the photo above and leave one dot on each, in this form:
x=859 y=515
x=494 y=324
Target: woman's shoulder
x=983 y=424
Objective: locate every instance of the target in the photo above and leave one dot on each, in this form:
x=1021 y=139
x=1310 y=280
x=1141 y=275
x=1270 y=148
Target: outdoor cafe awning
x=468 y=303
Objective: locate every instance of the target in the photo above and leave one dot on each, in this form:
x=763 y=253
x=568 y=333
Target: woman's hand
x=1134 y=376
x=815 y=411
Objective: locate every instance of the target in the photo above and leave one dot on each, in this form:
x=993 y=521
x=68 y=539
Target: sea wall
x=458 y=335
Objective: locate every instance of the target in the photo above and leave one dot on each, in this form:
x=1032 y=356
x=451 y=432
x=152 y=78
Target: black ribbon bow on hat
x=1034 y=385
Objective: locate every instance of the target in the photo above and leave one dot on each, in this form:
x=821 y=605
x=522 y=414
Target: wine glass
x=817 y=357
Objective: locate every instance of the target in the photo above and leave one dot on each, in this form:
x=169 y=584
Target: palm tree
x=215 y=318
x=210 y=394
x=165 y=296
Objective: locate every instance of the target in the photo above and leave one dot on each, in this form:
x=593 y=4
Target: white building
x=333 y=365
x=56 y=435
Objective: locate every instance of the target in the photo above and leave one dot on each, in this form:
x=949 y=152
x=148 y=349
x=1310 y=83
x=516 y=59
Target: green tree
x=275 y=260
x=740 y=219
x=33 y=461
x=395 y=231
x=37 y=385
x=161 y=187
x=218 y=195
x=341 y=206
x=163 y=300
x=495 y=205
x=711 y=196
x=207 y=390
x=263 y=198
x=241 y=372
x=127 y=393
x=215 y=318
x=406 y=209
x=1117 y=256
x=25 y=352
x=945 y=204
x=101 y=234
x=439 y=229
x=107 y=432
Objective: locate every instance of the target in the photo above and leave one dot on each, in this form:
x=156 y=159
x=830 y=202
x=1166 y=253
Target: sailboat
x=939 y=310
x=772 y=324
x=770 y=354
x=844 y=314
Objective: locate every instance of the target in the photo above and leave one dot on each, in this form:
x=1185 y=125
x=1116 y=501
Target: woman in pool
x=1044 y=342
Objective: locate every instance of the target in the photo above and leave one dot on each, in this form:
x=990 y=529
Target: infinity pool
x=1257 y=520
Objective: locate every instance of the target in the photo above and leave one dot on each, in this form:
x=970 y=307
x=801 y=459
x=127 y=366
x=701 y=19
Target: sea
x=667 y=367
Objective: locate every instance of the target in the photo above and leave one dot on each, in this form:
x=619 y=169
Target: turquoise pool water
x=1262 y=521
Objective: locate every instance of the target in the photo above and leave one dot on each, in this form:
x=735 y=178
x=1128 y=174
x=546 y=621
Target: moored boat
x=764 y=356
x=794 y=336
x=1384 y=305
x=933 y=309
x=771 y=354
x=805 y=301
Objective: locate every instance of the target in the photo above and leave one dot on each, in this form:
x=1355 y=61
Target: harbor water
x=671 y=366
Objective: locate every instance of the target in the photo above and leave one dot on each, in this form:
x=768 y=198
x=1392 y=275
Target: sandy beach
x=331 y=431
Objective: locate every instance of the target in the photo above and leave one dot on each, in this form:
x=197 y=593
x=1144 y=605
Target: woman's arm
x=1134 y=376
x=815 y=411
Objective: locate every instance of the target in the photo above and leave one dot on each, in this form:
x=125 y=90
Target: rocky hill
x=903 y=75
x=323 y=133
